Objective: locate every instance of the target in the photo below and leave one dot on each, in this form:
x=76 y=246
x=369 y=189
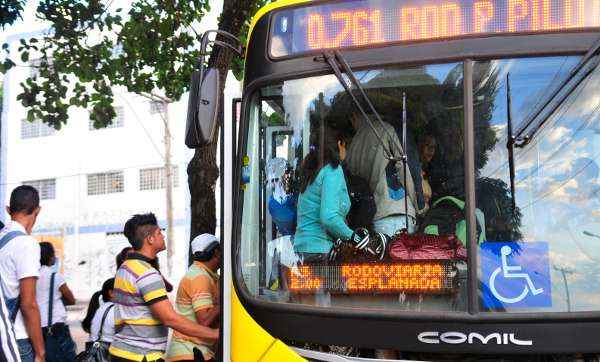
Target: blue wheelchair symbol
x=515 y=275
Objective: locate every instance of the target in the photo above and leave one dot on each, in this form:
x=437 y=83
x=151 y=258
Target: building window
x=35 y=129
x=105 y=183
x=119 y=120
x=157 y=107
x=155 y=178
x=46 y=188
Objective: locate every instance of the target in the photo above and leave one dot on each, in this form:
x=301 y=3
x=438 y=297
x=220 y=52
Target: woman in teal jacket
x=323 y=202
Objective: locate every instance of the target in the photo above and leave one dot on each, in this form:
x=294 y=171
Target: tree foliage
x=150 y=49
x=10 y=11
x=90 y=48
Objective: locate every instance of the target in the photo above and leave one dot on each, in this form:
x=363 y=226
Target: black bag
x=97 y=351
x=362 y=202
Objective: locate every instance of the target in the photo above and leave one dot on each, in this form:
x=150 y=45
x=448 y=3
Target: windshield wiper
x=558 y=96
x=335 y=61
x=335 y=57
x=510 y=143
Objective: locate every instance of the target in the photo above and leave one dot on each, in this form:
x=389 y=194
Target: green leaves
x=91 y=48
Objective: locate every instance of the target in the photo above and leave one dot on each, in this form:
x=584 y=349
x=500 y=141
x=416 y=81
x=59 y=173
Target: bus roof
x=272 y=6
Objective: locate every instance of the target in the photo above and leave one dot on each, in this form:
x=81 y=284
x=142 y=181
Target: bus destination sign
x=407 y=277
x=372 y=22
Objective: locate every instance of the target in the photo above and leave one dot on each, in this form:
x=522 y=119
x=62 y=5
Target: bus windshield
x=341 y=212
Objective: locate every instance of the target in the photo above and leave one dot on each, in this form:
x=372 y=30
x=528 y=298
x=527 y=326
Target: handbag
x=406 y=246
x=97 y=351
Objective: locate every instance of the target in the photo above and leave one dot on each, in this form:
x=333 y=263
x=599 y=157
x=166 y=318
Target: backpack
x=447 y=217
x=12 y=304
x=362 y=202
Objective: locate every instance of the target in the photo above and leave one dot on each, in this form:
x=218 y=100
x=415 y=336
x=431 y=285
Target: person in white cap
x=198 y=299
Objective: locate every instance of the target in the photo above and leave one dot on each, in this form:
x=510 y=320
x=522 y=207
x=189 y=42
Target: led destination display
x=369 y=22
x=409 y=277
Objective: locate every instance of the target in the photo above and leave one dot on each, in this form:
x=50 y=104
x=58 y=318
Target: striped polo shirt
x=198 y=292
x=138 y=334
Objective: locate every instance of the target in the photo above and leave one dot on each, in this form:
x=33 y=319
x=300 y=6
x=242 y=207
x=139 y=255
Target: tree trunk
x=202 y=169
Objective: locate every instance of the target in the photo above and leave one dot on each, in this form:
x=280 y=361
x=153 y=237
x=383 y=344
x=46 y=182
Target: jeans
x=26 y=350
x=390 y=225
x=59 y=345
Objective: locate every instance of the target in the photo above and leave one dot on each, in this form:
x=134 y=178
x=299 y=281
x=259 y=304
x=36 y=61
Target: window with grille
x=35 y=129
x=105 y=183
x=119 y=120
x=157 y=107
x=46 y=188
x=155 y=178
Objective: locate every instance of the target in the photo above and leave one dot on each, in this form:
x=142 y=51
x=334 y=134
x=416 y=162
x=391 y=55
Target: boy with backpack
x=20 y=268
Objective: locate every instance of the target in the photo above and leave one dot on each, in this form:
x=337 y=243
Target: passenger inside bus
x=369 y=158
x=283 y=199
x=427 y=147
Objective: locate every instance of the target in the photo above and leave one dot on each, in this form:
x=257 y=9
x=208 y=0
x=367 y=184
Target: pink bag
x=426 y=247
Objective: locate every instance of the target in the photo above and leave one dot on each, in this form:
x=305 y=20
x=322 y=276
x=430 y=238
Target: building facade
x=92 y=180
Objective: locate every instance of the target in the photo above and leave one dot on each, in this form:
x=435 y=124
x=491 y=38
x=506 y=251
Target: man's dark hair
x=138 y=228
x=207 y=254
x=46 y=253
x=24 y=199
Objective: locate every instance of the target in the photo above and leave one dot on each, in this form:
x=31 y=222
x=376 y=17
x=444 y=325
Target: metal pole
x=168 y=186
x=469 y=154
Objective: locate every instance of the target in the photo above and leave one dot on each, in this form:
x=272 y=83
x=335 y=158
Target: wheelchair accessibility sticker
x=515 y=275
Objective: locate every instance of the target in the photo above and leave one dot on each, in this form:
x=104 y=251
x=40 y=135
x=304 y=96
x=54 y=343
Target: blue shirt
x=322 y=210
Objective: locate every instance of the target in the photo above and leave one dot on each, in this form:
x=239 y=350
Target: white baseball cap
x=203 y=241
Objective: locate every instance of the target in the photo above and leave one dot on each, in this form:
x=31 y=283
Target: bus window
x=333 y=217
x=541 y=255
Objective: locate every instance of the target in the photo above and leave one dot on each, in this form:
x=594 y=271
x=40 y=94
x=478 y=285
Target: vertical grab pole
x=469 y=154
x=405 y=160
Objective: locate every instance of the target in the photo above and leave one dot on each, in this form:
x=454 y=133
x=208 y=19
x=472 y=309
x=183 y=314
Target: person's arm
x=66 y=294
x=31 y=316
x=163 y=310
x=330 y=215
x=206 y=317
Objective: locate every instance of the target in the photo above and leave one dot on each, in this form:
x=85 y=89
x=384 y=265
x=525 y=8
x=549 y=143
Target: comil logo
x=434 y=337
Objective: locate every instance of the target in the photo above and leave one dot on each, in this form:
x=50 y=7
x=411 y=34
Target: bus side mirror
x=203 y=108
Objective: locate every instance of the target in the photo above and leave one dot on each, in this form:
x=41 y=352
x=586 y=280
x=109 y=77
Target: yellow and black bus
x=471 y=136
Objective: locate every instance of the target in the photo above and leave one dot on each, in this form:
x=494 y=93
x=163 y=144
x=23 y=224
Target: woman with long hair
x=92 y=323
x=324 y=202
x=52 y=293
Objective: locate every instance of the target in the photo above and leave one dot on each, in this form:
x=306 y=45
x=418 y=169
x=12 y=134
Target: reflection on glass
x=556 y=184
x=333 y=217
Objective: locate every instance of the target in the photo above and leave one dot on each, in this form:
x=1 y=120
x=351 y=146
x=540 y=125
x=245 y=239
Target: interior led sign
x=407 y=277
x=370 y=22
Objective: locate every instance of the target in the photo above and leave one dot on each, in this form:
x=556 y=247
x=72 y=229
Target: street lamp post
x=564 y=271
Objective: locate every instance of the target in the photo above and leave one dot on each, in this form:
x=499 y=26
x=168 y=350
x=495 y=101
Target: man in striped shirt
x=143 y=312
x=198 y=300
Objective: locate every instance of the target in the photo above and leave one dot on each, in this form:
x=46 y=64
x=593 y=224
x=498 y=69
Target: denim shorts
x=59 y=345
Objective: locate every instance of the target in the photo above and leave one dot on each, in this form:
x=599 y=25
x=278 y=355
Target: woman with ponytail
x=96 y=311
x=323 y=203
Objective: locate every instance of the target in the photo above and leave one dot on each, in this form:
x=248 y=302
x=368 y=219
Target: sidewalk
x=75 y=315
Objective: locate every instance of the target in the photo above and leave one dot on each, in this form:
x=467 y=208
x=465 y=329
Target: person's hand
x=215 y=334
x=40 y=358
x=360 y=238
x=335 y=250
x=378 y=245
